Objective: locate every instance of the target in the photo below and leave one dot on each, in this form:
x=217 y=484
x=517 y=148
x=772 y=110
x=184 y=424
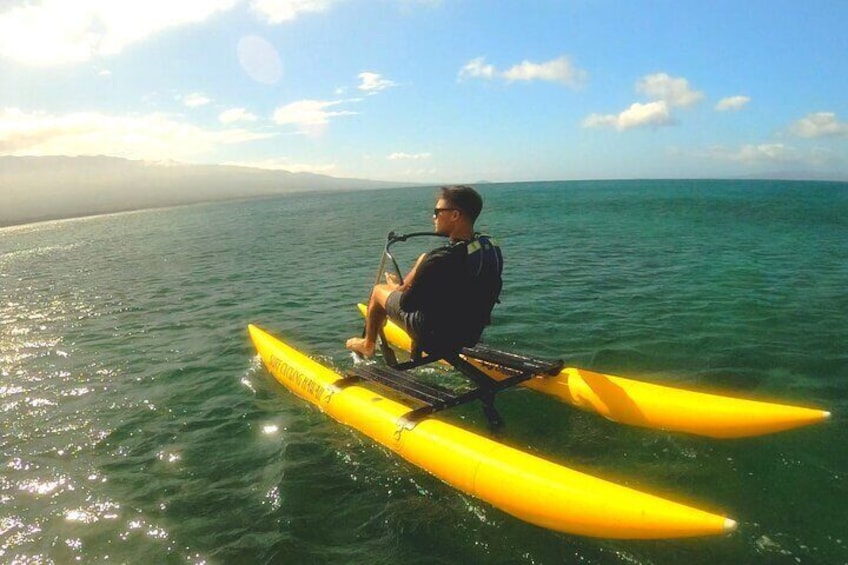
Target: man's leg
x=374 y=320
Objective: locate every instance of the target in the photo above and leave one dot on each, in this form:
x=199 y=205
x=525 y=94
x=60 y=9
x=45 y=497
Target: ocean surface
x=139 y=427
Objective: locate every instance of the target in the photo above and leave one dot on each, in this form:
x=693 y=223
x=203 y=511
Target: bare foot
x=359 y=345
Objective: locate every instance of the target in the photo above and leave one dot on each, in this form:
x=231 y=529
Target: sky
x=434 y=90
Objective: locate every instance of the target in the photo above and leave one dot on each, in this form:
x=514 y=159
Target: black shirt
x=452 y=295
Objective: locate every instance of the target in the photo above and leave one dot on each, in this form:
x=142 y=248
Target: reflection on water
x=137 y=422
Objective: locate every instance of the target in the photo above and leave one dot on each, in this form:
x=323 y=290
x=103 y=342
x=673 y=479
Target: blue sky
x=433 y=90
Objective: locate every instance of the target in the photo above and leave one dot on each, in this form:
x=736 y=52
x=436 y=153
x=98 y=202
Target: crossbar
x=435 y=398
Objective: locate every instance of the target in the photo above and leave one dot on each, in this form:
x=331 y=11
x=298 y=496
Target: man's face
x=445 y=217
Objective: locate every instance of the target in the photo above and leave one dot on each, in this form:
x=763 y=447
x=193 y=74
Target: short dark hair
x=465 y=198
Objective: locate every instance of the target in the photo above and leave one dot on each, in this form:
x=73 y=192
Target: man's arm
x=393 y=280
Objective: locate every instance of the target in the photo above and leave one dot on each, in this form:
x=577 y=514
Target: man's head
x=456 y=210
x=464 y=198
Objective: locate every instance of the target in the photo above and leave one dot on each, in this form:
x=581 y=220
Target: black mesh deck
x=514 y=361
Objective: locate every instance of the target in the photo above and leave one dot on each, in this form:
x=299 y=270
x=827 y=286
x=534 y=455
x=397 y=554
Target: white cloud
x=673 y=91
x=236 y=115
x=477 y=68
x=559 y=70
x=820 y=124
x=732 y=103
x=195 y=100
x=774 y=153
x=770 y=152
x=654 y=114
x=400 y=156
x=150 y=137
x=373 y=82
x=777 y=156
x=650 y=114
x=664 y=91
x=54 y=32
x=600 y=120
x=310 y=116
x=279 y=11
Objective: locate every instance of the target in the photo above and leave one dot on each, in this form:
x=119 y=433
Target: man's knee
x=381 y=295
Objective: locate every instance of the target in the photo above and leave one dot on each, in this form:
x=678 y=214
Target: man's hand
x=393 y=281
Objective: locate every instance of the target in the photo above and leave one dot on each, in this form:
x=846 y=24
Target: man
x=446 y=299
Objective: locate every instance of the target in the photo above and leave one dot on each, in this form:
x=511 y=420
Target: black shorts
x=409 y=321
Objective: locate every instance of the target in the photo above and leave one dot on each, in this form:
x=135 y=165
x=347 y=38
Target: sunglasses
x=436 y=211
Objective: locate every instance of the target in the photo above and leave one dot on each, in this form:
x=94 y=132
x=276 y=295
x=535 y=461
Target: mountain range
x=48 y=188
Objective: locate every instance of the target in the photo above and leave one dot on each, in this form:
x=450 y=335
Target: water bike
x=396 y=408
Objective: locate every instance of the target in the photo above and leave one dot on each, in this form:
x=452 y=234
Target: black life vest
x=484 y=265
x=458 y=317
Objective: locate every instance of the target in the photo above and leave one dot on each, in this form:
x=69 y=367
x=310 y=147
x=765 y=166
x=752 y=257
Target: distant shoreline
x=4 y=227
x=118 y=212
x=37 y=189
x=45 y=189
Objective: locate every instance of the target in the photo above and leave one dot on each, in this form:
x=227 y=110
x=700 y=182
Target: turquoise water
x=138 y=425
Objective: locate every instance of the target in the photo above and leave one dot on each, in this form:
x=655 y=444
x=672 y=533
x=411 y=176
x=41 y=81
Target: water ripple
x=138 y=420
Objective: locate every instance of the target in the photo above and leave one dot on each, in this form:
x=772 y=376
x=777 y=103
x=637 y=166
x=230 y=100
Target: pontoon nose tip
x=826 y=415
x=730 y=525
